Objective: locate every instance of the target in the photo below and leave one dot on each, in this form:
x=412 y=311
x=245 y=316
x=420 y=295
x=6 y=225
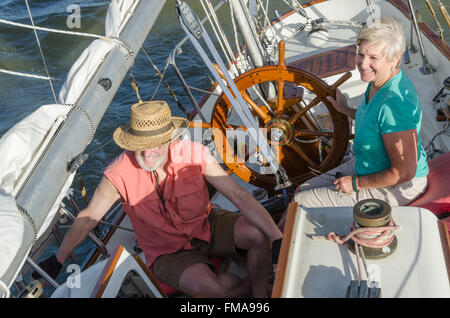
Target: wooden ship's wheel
x=310 y=133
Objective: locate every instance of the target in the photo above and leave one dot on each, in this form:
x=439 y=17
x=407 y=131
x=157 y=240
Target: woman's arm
x=402 y=151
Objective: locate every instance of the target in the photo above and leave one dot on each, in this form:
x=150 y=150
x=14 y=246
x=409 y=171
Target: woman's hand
x=344 y=184
x=340 y=104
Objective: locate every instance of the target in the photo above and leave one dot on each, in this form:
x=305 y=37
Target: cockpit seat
x=437 y=195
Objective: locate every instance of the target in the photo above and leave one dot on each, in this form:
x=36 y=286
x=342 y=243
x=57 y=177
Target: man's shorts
x=168 y=268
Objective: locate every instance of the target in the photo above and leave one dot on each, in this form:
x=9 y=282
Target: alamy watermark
x=74 y=279
x=74 y=19
x=236 y=146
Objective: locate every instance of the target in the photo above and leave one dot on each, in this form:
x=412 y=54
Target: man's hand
x=51 y=266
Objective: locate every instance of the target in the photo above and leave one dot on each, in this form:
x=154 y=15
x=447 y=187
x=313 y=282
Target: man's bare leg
x=250 y=238
x=200 y=281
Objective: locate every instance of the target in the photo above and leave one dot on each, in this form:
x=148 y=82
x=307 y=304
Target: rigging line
x=238 y=49
x=297 y=6
x=29 y=75
x=219 y=27
x=203 y=91
x=117 y=41
x=161 y=76
x=221 y=31
x=238 y=103
x=215 y=32
x=42 y=53
x=252 y=25
x=100 y=147
x=267 y=20
x=160 y=80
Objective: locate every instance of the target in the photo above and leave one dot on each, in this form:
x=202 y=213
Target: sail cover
x=82 y=71
x=21 y=146
x=119 y=13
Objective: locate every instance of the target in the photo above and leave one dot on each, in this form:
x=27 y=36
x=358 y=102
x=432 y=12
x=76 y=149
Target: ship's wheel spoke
x=313 y=133
x=304 y=110
x=280 y=101
x=296 y=147
x=261 y=111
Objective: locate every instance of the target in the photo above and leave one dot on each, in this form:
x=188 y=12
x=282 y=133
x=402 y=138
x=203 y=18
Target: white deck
x=321 y=268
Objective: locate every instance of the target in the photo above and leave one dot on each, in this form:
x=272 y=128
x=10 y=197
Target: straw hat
x=151 y=125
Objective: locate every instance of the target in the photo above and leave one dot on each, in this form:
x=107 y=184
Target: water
x=18 y=51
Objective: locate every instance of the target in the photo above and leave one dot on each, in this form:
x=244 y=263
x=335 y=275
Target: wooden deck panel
x=329 y=63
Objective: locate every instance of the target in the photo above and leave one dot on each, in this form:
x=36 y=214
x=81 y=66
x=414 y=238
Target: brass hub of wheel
x=279 y=131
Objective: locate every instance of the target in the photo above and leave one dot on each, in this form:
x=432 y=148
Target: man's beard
x=159 y=161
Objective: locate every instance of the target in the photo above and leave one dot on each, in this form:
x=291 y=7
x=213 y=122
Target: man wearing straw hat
x=161 y=181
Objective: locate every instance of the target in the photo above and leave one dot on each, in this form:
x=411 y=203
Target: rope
x=254 y=32
x=219 y=27
x=267 y=21
x=42 y=53
x=373 y=237
x=430 y=150
x=29 y=75
x=158 y=73
x=244 y=63
x=208 y=16
x=121 y=43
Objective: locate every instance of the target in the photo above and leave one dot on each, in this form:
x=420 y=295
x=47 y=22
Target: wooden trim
x=152 y=277
x=329 y=63
x=282 y=265
x=445 y=240
x=106 y=273
x=426 y=30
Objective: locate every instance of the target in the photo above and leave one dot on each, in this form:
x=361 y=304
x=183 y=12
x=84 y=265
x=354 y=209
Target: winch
x=373 y=229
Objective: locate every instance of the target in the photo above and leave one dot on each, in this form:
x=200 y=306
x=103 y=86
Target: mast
x=246 y=27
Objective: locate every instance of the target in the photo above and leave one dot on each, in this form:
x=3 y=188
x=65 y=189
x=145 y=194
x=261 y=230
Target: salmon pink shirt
x=186 y=197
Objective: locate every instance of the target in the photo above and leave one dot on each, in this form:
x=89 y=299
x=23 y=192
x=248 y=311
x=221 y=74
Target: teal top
x=395 y=107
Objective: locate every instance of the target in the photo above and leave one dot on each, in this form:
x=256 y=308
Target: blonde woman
x=389 y=161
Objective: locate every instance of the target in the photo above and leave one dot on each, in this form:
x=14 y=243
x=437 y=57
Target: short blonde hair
x=387 y=32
